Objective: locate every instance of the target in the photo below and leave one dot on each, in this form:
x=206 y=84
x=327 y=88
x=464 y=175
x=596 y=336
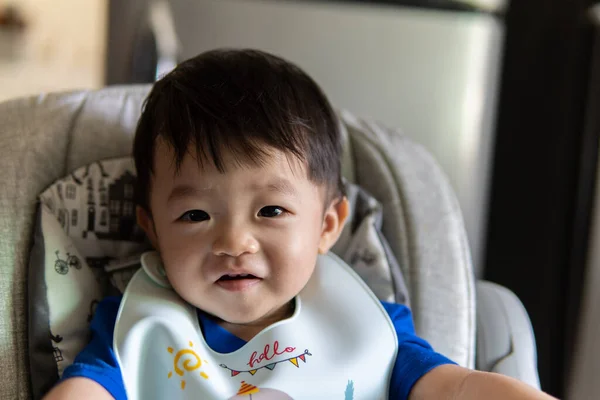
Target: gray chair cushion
x=41 y=139
x=423 y=224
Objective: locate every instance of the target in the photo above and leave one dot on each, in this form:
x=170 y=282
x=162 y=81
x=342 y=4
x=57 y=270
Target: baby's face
x=242 y=244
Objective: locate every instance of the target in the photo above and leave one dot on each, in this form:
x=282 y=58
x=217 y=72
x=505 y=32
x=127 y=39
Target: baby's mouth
x=232 y=277
x=237 y=282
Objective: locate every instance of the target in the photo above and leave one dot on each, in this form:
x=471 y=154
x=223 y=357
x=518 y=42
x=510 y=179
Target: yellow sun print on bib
x=186 y=360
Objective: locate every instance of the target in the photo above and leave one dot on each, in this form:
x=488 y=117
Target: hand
x=457 y=383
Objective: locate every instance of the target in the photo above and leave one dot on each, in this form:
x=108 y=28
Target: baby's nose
x=234 y=242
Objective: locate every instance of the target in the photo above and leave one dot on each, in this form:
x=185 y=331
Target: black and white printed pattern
x=87 y=222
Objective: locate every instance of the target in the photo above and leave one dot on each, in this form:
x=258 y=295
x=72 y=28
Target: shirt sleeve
x=97 y=361
x=415 y=356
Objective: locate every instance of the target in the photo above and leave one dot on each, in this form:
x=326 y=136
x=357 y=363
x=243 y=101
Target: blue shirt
x=97 y=360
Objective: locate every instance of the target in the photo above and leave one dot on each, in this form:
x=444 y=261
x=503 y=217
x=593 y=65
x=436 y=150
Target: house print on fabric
x=111 y=209
x=65 y=217
x=57 y=353
x=96 y=205
x=121 y=210
x=106 y=209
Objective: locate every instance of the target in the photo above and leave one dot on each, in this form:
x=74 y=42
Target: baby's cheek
x=180 y=261
x=300 y=237
x=184 y=241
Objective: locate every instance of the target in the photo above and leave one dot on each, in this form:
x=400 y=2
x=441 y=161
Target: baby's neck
x=247 y=331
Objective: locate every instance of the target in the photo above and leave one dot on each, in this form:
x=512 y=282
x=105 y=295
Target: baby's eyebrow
x=279 y=185
x=184 y=190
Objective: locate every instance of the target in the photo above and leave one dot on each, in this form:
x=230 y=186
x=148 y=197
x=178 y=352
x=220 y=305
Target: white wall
x=63 y=47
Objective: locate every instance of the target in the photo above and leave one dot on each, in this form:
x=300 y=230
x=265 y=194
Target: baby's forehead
x=277 y=174
x=225 y=161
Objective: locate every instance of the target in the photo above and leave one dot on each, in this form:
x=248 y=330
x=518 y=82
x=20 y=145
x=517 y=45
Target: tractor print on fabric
x=62 y=266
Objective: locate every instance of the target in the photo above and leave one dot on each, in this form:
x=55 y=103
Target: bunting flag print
x=271 y=366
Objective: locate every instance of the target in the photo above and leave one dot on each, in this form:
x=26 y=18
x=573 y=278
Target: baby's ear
x=144 y=220
x=333 y=223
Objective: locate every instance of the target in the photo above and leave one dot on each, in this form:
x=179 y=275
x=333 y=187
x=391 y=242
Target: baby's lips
x=238 y=273
x=238 y=276
x=238 y=285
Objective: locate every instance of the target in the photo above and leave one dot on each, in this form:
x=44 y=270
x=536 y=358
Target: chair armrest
x=505 y=338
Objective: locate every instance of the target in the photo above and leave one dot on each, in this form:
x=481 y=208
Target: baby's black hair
x=242 y=102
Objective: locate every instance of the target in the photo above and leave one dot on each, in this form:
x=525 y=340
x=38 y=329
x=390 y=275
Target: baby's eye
x=194 y=216
x=271 y=211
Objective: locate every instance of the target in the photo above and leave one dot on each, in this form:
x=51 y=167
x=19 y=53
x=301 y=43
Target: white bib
x=339 y=344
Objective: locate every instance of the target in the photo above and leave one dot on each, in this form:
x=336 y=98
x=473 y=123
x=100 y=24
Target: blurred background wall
x=62 y=46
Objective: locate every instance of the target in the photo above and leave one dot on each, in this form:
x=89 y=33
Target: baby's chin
x=255 y=317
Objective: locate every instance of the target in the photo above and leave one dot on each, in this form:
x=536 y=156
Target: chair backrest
x=44 y=138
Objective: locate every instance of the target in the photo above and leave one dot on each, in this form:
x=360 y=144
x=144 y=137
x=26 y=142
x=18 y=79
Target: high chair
x=44 y=139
